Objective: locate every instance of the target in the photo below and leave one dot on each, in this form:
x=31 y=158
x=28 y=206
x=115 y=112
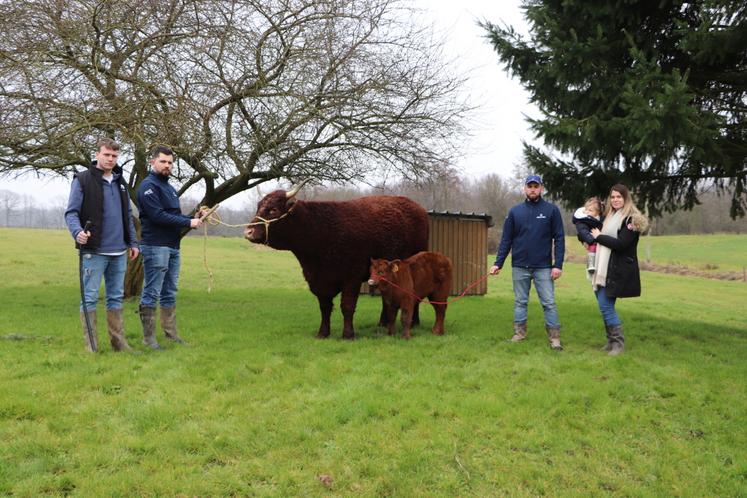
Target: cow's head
x=382 y=268
x=273 y=208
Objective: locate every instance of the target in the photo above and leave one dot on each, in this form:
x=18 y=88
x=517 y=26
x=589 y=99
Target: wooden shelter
x=463 y=238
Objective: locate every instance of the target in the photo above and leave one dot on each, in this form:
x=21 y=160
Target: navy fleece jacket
x=161 y=217
x=529 y=232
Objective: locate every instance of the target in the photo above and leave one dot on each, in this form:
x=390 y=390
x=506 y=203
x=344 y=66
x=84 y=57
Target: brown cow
x=335 y=241
x=404 y=282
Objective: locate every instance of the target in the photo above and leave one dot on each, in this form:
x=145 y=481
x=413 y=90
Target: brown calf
x=404 y=282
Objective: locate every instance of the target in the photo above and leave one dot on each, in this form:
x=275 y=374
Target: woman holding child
x=616 y=273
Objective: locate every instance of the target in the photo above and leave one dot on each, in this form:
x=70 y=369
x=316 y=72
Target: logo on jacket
x=148 y=192
x=541 y=216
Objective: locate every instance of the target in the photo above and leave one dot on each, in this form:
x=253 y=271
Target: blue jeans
x=112 y=269
x=522 y=278
x=161 y=269
x=607 y=308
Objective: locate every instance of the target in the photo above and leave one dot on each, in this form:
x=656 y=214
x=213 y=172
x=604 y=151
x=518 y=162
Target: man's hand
x=556 y=273
x=82 y=237
x=494 y=270
x=133 y=252
x=195 y=222
x=203 y=212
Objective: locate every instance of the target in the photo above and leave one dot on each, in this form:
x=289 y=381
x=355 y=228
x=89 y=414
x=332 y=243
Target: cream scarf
x=611 y=225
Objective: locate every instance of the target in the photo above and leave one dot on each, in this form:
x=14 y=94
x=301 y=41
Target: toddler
x=585 y=218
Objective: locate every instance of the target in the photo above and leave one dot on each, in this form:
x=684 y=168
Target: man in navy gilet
x=533 y=233
x=99 y=196
x=162 y=223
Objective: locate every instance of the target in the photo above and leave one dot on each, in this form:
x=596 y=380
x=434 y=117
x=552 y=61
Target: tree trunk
x=133 y=284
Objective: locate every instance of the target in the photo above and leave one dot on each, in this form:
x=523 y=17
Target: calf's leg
x=406 y=318
x=391 y=318
x=438 y=327
x=384 y=316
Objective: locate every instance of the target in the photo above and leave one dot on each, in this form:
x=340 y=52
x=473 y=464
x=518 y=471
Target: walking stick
x=89 y=331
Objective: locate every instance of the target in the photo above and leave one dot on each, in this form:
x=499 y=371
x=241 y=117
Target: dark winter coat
x=584 y=223
x=623 y=273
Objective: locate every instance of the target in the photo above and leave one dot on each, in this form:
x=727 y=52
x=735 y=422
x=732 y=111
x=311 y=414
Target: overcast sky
x=497 y=125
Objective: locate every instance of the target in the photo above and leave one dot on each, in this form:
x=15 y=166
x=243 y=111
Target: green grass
x=255 y=406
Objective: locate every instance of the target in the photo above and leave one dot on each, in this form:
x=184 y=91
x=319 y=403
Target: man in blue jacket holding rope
x=532 y=232
x=162 y=223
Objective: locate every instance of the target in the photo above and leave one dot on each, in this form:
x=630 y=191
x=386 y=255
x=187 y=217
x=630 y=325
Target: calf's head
x=382 y=269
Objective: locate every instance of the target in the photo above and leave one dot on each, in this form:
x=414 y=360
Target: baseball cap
x=533 y=178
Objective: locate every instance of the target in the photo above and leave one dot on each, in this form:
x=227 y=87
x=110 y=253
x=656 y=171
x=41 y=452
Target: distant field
x=256 y=406
x=708 y=253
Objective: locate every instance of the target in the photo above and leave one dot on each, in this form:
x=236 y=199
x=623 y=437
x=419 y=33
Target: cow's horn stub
x=292 y=192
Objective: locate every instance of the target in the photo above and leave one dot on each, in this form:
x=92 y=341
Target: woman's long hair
x=628 y=209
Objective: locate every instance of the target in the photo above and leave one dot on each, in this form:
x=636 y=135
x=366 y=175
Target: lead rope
x=213 y=218
x=460 y=296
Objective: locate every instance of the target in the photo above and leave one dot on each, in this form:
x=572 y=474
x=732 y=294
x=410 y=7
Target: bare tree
x=9 y=201
x=244 y=91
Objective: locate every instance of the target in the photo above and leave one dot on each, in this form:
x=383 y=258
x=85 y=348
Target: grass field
x=255 y=406
x=705 y=253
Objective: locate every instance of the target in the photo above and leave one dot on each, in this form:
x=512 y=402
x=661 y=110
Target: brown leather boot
x=618 y=340
x=553 y=333
x=520 y=332
x=148 y=319
x=608 y=346
x=115 y=325
x=168 y=324
x=90 y=347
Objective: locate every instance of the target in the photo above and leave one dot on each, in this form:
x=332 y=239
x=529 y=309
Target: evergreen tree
x=652 y=94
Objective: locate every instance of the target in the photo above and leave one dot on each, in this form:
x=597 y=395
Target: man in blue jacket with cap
x=532 y=232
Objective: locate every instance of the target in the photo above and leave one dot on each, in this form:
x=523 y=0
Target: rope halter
x=266 y=223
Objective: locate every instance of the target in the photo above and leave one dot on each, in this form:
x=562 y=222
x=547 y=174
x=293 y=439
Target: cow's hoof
x=322 y=336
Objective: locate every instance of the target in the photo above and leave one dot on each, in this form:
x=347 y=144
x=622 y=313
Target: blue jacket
x=161 y=217
x=529 y=232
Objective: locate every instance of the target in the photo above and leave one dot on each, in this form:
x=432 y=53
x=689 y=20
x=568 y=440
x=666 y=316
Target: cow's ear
x=289 y=203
